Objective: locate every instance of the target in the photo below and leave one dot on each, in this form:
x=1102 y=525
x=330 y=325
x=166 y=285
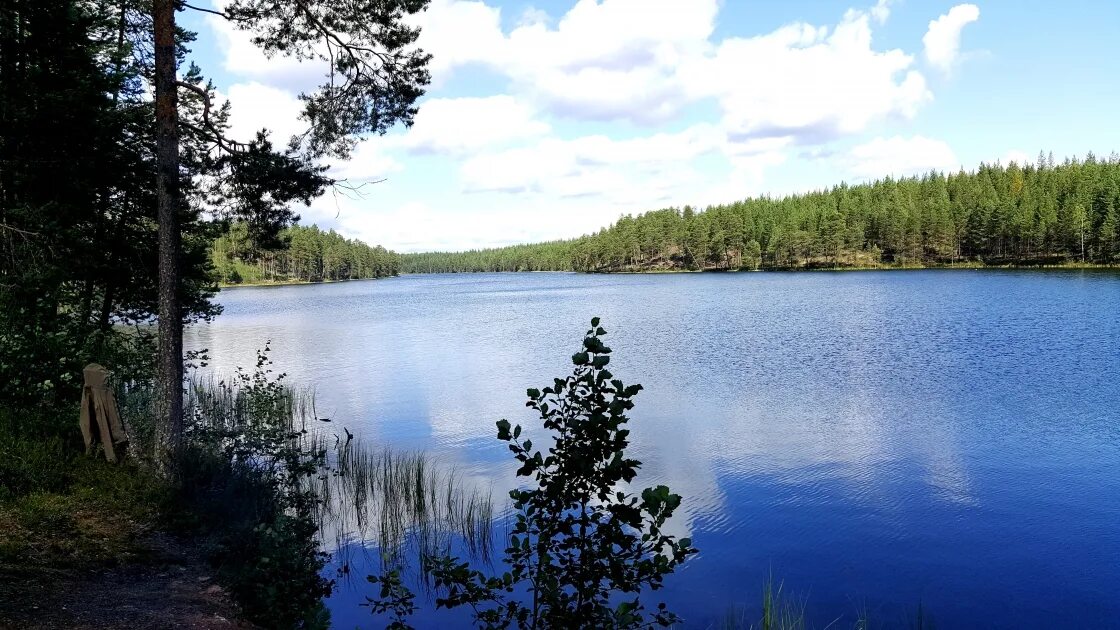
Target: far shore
x=879 y=267
x=882 y=267
x=288 y=283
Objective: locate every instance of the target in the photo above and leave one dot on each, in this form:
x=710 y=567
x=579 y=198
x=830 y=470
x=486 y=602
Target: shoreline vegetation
x=970 y=265
x=292 y=282
x=299 y=255
x=1019 y=215
x=1030 y=216
x=266 y=494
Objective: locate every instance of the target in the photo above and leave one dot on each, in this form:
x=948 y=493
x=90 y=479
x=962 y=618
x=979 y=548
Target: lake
x=877 y=441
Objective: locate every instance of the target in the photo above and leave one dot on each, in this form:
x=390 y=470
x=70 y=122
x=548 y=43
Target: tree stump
x=99 y=418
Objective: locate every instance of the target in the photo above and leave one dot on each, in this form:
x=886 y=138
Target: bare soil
x=162 y=587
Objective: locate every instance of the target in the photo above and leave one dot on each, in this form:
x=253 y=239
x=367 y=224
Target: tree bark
x=169 y=408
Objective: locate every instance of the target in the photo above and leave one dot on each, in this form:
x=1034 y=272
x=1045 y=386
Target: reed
x=399 y=503
x=779 y=611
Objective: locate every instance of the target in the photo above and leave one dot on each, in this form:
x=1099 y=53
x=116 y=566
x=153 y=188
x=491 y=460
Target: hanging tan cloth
x=98 y=404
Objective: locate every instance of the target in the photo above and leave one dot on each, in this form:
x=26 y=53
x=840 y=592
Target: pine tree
x=376 y=74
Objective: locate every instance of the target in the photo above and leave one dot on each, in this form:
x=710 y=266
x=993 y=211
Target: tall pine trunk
x=169 y=408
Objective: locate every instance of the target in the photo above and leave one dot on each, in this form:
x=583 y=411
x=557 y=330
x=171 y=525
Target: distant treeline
x=1044 y=213
x=550 y=256
x=305 y=254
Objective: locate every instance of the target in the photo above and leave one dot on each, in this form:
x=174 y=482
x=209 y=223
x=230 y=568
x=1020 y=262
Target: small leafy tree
x=582 y=548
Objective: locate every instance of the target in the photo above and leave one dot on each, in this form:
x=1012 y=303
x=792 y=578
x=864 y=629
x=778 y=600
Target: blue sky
x=550 y=119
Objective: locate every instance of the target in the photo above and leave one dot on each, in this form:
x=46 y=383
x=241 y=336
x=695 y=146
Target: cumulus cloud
x=256 y=105
x=459 y=33
x=899 y=156
x=881 y=11
x=245 y=59
x=425 y=226
x=369 y=161
x=617 y=59
x=594 y=166
x=810 y=83
x=643 y=61
x=747 y=178
x=520 y=139
x=614 y=59
x=462 y=125
x=943 y=39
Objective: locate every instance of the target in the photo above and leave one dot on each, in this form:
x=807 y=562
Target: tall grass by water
x=779 y=609
x=401 y=503
x=371 y=497
x=263 y=480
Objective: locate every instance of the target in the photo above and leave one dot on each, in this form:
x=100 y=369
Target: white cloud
x=256 y=106
x=943 y=39
x=423 y=226
x=533 y=16
x=623 y=171
x=644 y=60
x=462 y=125
x=810 y=83
x=746 y=179
x=369 y=161
x=458 y=33
x=244 y=59
x=881 y=11
x=614 y=59
x=617 y=59
x=899 y=156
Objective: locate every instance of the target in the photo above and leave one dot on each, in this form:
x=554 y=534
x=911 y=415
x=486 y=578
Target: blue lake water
x=875 y=440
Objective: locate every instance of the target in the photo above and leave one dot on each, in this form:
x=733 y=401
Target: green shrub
x=274 y=572
x=245 y=479
x=582 y=546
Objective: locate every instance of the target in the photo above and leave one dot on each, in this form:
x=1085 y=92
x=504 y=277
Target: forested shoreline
x=1025 y=215
x=305 y=254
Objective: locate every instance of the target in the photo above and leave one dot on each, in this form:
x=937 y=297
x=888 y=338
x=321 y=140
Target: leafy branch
x=583 y=548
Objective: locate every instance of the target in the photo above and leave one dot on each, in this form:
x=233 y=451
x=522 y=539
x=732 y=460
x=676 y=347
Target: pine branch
x=231 y=146
x=213 y=12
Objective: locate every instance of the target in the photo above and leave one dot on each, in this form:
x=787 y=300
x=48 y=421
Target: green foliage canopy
x=298 y=254
x=1042 y=213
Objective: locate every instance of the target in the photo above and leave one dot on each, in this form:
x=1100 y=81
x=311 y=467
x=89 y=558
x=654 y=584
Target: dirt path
x=167 y=589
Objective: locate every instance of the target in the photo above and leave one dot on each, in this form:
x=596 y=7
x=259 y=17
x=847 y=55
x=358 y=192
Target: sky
x=550 y=119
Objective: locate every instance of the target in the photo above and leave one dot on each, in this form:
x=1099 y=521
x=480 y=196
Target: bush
x=274 y=572
x=245 y=478
x=582 y=547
